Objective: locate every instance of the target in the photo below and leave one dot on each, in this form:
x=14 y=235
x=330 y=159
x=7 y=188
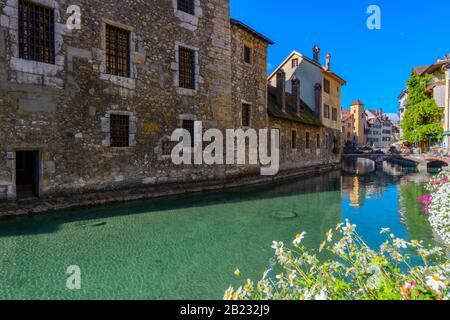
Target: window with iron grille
x=36 y=32
x=187 y=6
x=187 y=74
x=326 y=85
x=308 y=141
x=335 y=114
x=189 y=126
x=326 y=111
x=120 y=130
x=294 y=139
x=246 y=114
x=247 y=54
x=117 y=51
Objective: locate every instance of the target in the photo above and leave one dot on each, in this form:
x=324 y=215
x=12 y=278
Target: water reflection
x=394 y=168
x=359 y=166
x=188 y=247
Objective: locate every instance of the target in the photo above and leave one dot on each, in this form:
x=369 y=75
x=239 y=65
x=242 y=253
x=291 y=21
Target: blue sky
x=376 y=63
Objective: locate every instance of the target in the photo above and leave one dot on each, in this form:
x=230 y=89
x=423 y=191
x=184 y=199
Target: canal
x=188 y=247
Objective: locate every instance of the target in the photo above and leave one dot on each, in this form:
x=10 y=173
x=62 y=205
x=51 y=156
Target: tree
x=422 y=119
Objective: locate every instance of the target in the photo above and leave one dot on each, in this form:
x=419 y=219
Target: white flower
x=400 y=243
x=385 y=230
x=299 y=238
x=322 y=296
x=436 y=282
x=329 y=235
x=349 y=228
x=278 y=247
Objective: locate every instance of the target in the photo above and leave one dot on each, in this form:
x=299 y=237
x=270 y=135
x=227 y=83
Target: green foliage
x=422 y=119
x=353 y=272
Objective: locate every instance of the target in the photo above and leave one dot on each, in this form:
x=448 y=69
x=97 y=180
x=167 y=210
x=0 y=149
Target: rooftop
x=306 y=116
x=256 y=34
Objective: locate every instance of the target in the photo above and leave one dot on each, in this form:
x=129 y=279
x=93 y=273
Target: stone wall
x=302 y=157
x=62 y=109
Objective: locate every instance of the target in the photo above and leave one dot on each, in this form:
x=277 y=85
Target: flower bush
x=437 y=206
x=353 y=272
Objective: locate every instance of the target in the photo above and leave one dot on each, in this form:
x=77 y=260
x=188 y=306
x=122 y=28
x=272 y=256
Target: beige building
x=331 y=98
x=359 y=117
x=320 y=87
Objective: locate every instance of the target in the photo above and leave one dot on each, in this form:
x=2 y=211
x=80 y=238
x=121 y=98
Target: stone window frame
x=30 y=71
x=159 y=149
x=126 y=82
x=250 y=46
x=106 y=129
x=188 y=21
x=308 y=141
x=250 y=119
x=176 y=69
x=296 y=139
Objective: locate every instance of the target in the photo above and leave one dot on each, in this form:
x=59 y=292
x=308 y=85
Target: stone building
x=91 y=110
x=305 y=142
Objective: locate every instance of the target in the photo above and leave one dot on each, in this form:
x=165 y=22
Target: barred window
x=120 y=130
x=326 y=85
x=246 y=114
x=308 y=141
x=335 y=114
x=186 y=68
x=187 y=6
x=189 y=126
x=294 y=139
x=36 y=32
x=247 y=54
x=326 y=111
x=117 y=51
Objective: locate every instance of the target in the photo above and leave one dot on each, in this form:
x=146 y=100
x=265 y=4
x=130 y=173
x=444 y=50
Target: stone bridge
x=402 y=159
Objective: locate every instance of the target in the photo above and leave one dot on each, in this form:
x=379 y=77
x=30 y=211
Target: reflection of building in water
x=351 y=189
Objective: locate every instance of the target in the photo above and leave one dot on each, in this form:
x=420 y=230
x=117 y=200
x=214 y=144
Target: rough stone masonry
x=63 y=110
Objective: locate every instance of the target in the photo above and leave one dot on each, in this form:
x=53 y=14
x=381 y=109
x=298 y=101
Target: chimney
x=296 y=104
x=316 y=53
x=281 y=89
x=328 y=62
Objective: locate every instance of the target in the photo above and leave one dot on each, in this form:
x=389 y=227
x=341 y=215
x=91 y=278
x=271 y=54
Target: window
x=327 y=141
x=326 y=111
x=189 y=126
x=318 y=141
x=120 y=131
x=36 y=32
x=186 y=60
x=326 y=85
x=294 y=63
x=187 y=6
x=117 y=51
x=308 y=141
x=294 y=139
x=246 y=114
x=247 y=54
x=335 y=114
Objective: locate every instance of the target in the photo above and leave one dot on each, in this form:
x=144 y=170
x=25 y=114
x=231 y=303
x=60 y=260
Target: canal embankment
x=79 y=200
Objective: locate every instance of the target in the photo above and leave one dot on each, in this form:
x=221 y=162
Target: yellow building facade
x=331 y=100
x=359 y=118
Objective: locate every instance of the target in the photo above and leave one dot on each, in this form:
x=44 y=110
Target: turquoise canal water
x=189 y=247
